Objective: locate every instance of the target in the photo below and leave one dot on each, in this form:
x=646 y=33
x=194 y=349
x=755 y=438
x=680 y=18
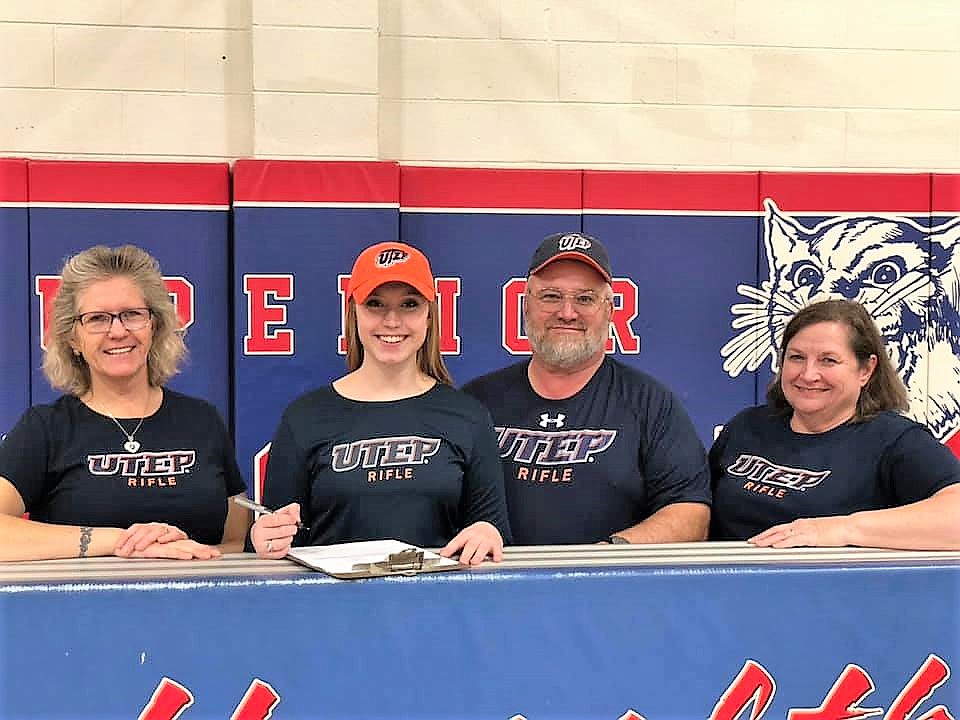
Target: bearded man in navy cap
x=592 y=449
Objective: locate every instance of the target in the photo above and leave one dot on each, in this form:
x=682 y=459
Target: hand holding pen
x=272 y=534
x=249 y=504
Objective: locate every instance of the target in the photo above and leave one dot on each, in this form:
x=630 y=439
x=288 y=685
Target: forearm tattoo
x=85 y=534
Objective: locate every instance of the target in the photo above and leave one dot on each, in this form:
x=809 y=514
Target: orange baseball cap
x=391 y=262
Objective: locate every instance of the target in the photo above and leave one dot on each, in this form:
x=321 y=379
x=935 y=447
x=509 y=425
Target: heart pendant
x=131 y=446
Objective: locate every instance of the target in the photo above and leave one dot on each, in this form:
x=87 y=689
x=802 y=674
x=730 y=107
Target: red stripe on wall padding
x=690 y=191
x=946 y=194
x=293 y=181
x=438 y=187
x=13 y=180
x=848 y=192
x=129 y=183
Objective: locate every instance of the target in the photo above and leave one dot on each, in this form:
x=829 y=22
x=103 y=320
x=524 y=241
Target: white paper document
x=371 y=558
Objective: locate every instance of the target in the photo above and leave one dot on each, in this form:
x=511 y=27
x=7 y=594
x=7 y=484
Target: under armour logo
x=547 y=421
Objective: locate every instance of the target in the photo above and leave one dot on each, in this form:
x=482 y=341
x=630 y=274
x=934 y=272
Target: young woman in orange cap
x=391 y=449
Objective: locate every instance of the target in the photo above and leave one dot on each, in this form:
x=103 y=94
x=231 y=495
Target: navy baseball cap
x=572 y=246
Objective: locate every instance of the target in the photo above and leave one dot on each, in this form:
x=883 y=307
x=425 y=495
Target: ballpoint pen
x=262 y=509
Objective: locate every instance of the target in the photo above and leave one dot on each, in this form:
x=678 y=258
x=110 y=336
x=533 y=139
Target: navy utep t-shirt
x=70 y=467
x=580 y=469
x=765 y=474
x=418 y=469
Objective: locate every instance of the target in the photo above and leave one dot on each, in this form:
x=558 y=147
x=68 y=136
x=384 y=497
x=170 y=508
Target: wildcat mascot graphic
x=905 y=275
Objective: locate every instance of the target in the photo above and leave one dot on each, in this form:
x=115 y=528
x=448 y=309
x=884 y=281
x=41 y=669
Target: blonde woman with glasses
x=119 y=464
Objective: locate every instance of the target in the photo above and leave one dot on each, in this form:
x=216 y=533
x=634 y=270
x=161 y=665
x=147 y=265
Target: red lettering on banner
x=622 y=336
x=257 y=703
x=260 y=471
x=932 y=674
x=842 y=701
x=181 y=293
x=171 y=699
x=448 y=290
x=343 y=285
x=168 y=701
x=753 y=684
x=625 y=308
x=262 y=336
x=45 y=287
x=448 y=299
x=511 y=313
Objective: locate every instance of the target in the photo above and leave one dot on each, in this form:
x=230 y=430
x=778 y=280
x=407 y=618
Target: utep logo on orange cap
x=391 y=257
x=573 y=241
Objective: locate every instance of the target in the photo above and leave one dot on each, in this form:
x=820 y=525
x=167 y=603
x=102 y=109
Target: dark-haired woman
x=830 y=460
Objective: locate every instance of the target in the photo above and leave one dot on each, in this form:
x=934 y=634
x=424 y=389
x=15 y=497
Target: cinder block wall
x=834 y=84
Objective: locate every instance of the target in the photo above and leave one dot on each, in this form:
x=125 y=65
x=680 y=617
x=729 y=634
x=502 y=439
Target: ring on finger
x=269 y=546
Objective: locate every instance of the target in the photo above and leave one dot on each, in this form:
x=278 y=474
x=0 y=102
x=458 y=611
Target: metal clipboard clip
x=406 y=562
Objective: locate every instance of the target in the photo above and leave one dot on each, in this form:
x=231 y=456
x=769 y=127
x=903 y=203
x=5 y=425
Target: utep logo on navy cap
x=573 y=241
x=391 y=257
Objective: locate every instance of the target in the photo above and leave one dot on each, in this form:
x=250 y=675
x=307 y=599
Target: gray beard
x=565 y=354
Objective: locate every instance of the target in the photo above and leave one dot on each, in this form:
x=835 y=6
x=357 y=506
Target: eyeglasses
x=585 y=303
x=100 y=321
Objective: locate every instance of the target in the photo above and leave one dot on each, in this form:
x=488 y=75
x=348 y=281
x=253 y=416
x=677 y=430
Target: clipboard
x=371 y=558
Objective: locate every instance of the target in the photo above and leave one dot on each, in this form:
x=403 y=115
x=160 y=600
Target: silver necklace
x=131 y=445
